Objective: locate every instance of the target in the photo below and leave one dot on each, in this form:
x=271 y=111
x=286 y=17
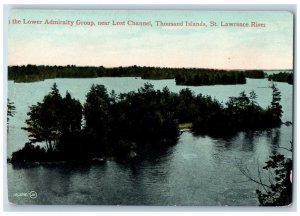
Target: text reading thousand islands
x=137 y=23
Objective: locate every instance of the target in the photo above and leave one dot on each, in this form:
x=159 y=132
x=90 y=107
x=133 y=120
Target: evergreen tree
x=71 y=114
x=276 y=108
x=253 y=97
x=97 y=118
x=49 y=119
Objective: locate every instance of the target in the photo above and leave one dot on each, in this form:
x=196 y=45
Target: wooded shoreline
x=131 y=124
x=182 y=76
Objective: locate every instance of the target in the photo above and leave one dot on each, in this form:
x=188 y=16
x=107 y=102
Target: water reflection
x=249 y=141
x=48 y=180
x=196 y=171
x=274 y=137
x=225 y=144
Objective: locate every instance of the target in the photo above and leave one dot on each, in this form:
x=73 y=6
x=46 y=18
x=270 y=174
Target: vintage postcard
x=153 y=108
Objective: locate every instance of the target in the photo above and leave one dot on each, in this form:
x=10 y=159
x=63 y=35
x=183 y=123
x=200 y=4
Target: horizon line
x=151 y=67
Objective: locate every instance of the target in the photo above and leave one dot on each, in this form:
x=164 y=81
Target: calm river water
x=199 y=171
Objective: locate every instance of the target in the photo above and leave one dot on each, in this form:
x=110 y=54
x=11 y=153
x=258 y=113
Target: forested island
x=282 y=77
x=128 y=125
x=182 y=76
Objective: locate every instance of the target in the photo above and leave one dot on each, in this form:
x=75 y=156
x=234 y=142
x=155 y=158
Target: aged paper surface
x=159 y=108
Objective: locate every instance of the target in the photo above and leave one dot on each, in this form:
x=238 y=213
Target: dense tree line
x=127 y=124
x=183 y=76
x=282 y=77
x=207 y=77
x=240 y=113
x=255 y=74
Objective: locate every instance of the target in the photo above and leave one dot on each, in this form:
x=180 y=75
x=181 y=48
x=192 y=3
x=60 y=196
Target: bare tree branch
x=285 y=148
x=245 y=171
x=259 y=177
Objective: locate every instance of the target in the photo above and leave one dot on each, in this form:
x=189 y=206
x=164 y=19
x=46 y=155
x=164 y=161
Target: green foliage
x=97 y=117
x=210 y=77
x=121 y=125
x=29 y=153
x=183 y=76
x=279 y=192
x=255 y=74
x=282 y=77
x=240 y=114
x=275 y=109
x=253 y=97
x=96 y=107
x=49 y=119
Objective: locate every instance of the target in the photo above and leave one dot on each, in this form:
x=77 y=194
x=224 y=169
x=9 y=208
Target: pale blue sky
x=209 y=47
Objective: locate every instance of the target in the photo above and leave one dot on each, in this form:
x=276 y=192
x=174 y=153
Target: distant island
x=282 y=77
x=182 y=76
